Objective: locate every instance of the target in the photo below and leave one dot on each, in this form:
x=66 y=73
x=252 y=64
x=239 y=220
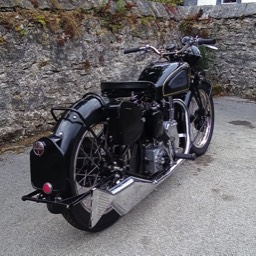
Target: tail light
x=38 y=148
x=47 y=188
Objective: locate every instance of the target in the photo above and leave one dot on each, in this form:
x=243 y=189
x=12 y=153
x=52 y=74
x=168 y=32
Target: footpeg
x=185 y=156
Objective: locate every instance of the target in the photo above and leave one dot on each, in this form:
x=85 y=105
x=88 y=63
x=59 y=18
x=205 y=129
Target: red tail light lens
x=47 y=188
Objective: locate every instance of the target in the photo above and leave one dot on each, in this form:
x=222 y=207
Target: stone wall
x=234 y=27
x=52 y=52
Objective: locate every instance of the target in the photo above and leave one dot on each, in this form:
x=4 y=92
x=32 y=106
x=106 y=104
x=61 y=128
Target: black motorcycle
x=107 y=152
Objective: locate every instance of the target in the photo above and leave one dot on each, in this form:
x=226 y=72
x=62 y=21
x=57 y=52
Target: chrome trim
x=175 y=93
x=38 y=148
x=187 y=121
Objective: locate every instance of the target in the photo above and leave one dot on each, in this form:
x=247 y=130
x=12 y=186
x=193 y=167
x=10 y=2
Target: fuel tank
x=168 y=78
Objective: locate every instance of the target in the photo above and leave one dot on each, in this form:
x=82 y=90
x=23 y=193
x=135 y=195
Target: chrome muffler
x=124 y=196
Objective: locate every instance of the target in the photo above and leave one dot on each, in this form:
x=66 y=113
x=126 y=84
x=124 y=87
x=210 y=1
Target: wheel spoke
x=88 y=161
x=198 y=132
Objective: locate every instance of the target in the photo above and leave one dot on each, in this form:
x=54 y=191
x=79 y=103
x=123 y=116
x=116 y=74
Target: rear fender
x=52 y=163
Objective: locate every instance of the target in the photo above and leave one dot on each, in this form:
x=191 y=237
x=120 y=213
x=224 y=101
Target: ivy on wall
x=171 y=2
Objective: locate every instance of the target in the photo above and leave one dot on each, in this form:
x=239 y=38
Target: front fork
x=173 y=134
x=197 y=81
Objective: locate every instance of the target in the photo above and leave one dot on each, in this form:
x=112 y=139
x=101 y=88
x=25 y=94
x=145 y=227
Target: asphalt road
x=207 y=207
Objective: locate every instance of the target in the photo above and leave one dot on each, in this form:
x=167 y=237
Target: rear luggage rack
x=63 y=109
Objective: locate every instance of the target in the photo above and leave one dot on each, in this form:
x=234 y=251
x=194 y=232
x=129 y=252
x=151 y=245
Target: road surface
x=207 y=207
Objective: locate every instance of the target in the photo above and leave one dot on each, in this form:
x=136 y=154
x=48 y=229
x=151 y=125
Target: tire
x=201 y=121
x=54 y=209
x=85 y=173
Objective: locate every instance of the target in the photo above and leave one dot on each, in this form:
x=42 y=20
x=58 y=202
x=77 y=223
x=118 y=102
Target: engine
x=162 y=141
x=156 y=158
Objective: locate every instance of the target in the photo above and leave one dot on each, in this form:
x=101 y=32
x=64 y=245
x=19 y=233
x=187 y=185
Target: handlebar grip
x=201 y=41
x=131 y=50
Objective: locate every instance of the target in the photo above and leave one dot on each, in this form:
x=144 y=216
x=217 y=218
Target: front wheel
x=86 y=172
x=201 y=120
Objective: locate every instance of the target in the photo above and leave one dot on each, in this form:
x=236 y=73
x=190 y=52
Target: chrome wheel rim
x=200 y=125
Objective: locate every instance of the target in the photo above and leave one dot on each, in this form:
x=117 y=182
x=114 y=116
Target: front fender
x=51 y=162
x=205 y=83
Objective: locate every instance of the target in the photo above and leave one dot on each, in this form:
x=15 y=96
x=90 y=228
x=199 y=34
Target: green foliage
x=204 y=61
x=113 y=16
x=120 y=6
x=170 y=2
x=2 y=40
x=112 y=19
x=40 y=19
x=23 y=32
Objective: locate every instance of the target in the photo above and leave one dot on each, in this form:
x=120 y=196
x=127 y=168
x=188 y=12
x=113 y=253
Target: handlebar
x=187 y=41
x=201 y=41
x=131 y=50
x=143 y=48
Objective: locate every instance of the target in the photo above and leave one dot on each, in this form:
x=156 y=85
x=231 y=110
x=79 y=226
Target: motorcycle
x=109 y=151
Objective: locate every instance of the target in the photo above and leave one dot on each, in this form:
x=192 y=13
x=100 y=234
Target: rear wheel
x=86 y=172
x=201 y=120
